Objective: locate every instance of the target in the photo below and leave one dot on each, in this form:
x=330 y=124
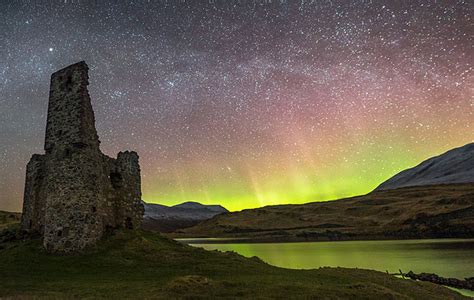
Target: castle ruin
x=74 y=193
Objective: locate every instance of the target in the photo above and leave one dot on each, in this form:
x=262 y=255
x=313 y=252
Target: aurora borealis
x=245 y=103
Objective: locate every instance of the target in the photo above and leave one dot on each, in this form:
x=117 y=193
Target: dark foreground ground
x=137 y=265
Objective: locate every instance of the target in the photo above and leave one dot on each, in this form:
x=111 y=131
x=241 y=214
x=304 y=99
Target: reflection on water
x=445 y=257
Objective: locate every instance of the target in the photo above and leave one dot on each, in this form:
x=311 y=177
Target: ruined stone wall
x=130 y=206
x=34 y=203
x=123 y=207
x=71 y=219
x=74 y=193
x=70 y=120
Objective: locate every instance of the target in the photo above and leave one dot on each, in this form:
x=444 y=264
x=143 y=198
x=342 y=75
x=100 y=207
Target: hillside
x=454 y=166
x=412 y=212
x=139 y=265
x=164 y=218
x=8 y=218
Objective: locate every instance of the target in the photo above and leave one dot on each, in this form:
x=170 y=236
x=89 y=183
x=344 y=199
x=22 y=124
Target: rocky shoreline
x=467 y=283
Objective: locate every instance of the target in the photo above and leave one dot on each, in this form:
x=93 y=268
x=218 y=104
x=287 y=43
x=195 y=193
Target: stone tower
x=74 y=193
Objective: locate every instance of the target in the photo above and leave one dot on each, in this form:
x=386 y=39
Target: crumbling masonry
x=73 y=192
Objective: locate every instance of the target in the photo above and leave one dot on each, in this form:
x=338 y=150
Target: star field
x=245 y=103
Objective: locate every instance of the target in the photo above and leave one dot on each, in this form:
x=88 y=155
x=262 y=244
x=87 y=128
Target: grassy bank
x=146 y=265
x=8 y=218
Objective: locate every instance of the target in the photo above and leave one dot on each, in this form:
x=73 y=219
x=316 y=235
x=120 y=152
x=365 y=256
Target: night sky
x=245 y=103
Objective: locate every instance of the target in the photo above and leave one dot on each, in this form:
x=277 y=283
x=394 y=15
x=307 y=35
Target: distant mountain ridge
x=434 y=199
x=453 y=166
x=187 y=210
x=434 y=211
x=169 y=218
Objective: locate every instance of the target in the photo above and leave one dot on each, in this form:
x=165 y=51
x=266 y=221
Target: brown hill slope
x=413 y=212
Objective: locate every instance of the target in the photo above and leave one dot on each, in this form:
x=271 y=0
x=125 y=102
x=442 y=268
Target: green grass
x=137 y=265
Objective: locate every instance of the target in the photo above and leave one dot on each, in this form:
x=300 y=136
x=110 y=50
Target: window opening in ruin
x=79 y=145
x=116 y=180
x=69 y=83
x=67 y=153
x=128 y=223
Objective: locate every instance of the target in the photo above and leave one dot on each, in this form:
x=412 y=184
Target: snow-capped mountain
x=168 y=218
x=454 y=166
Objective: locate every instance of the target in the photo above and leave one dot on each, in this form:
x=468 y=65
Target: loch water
x=445 y=257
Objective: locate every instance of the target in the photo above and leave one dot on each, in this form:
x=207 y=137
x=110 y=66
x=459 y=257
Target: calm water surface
x=445 y=257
